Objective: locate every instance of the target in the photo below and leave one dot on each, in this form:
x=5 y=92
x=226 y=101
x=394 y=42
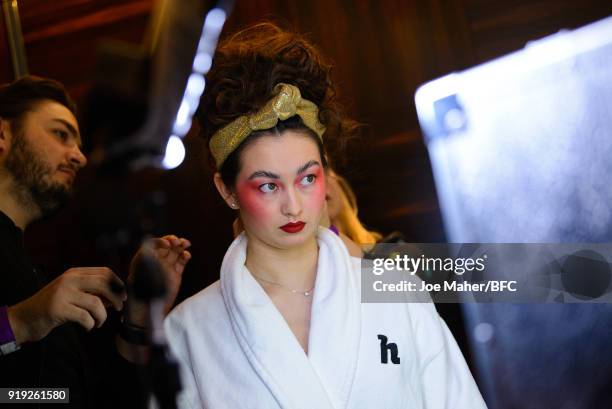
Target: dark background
x=382 y=51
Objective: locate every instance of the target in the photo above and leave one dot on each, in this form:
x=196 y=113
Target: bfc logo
x=387 y=349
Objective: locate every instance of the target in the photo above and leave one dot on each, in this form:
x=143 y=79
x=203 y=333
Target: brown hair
x=21 y=96
x=246 y=68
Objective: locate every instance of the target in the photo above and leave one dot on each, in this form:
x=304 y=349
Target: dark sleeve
x=116 y=382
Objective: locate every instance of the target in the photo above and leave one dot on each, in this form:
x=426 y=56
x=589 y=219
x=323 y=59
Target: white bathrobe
x=236 y=350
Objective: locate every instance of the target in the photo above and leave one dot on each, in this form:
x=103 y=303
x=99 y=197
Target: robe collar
x=322 y=379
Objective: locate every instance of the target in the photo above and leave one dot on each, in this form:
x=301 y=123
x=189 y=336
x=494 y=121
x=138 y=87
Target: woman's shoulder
x=204 y=304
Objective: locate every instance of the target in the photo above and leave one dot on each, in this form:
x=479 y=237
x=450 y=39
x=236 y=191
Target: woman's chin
x=291 y=240
x=285 y=241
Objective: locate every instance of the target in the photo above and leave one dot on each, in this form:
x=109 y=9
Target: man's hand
x=79 y=295
x=170 y=252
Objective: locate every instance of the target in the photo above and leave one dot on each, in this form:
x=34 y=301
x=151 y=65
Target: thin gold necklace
x=304 y=293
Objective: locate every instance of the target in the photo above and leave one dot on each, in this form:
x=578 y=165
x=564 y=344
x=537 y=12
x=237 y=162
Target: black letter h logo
x=384 y=347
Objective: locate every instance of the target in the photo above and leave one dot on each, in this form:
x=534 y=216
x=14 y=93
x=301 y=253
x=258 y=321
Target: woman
x=342 y=211
x=284 y=326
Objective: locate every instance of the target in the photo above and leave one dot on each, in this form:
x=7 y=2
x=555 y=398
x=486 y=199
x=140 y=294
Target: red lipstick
x=293 y=227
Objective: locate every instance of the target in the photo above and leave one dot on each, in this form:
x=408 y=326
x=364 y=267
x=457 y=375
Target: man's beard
x=31 y=175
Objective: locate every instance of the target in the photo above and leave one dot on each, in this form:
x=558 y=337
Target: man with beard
x=40 y=155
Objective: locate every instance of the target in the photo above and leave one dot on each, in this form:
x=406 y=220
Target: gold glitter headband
x=286 y=103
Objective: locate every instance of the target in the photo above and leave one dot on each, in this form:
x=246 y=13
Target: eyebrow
x=307 y=166
x=70 y=127
x=264 y=173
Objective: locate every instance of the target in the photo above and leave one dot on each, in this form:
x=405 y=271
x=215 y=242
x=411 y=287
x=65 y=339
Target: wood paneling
x=43 y=13
x=6 y=68
x=500 y=27
x=62 y=37
x=95 y=20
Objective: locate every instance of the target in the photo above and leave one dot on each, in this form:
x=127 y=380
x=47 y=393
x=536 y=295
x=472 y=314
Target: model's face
x=281 y=189
x=45 y=156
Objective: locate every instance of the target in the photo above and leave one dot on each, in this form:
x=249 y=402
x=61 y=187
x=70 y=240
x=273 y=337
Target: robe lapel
x=335 y=329
x=266 y=339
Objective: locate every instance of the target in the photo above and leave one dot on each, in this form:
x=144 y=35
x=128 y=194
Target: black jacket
x=64 y=357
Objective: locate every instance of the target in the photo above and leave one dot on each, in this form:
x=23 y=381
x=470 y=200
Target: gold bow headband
x=286 y=103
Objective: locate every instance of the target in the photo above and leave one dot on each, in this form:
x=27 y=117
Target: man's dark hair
x=21 y=96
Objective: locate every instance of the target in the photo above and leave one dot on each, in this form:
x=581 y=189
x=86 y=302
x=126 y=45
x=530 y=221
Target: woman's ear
x=225 y=192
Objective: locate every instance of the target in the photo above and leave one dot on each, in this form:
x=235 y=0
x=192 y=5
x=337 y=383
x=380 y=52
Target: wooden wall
x=5 y=58
x=382 y=51
x=61 y=37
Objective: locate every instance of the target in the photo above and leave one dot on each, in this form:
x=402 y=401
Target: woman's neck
x=294 y=268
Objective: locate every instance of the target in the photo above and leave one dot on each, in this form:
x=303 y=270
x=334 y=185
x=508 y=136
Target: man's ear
x=225 y=192
x=5 y=136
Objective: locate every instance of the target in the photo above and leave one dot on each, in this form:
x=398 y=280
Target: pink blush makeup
x=316 y=197
x=252 y=199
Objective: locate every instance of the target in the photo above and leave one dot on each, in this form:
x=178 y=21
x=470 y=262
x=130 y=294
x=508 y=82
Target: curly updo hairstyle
x=245 y=70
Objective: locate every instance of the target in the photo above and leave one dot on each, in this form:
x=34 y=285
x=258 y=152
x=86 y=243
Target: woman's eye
x=268 y=187
x=308 y=180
